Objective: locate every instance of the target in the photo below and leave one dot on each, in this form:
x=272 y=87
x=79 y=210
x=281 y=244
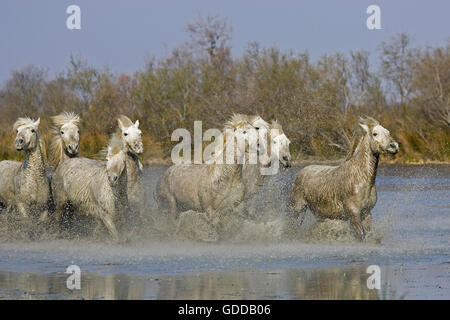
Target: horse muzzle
x=138 y=148
x=19 y=144
x=393 y=148
x=72 y=149
x=113 y=178
x=286 y=161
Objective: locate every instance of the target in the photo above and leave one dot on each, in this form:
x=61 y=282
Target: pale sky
x=123 y=34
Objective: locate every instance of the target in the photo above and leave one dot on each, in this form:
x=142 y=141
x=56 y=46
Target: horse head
x=131 y=135
x=27 y=134
x=68 y=131
x=380 y=138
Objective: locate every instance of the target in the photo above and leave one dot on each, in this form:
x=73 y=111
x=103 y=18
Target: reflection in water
x=330 y=283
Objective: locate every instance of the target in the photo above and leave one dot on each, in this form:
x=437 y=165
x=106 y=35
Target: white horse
x=277 y=149
x=24 y=185
x=94 y=189
x=347 y=191
x=210 y=188
x=131 y=139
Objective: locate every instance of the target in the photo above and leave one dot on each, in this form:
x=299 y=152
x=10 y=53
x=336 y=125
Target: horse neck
x=34 y=161
x=120 y=191
x=364 y=163
x=133 y=169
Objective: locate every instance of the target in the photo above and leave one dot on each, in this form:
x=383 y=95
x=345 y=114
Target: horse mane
x=56 y=150
x=117 y=135
x=23 y=121
x=276 y=125
x=114 y=146
x=65 y=118
x=237 y=120
x=56 y=144
x=253 y=118
x=359 y=134
x=115 y=139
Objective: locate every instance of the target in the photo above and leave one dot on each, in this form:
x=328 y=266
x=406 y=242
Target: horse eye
x=62 y=132
x=375 y=134
x=125 y=134
x=257 y=128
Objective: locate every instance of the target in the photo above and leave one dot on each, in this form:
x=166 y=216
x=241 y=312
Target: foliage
x=317 y=103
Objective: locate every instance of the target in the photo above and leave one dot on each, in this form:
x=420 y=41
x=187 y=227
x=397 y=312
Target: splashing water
x=410 y=234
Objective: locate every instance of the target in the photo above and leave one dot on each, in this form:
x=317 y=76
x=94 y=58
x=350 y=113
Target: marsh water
x=410 y=243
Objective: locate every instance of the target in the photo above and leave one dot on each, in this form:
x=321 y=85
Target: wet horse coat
x=347 y=191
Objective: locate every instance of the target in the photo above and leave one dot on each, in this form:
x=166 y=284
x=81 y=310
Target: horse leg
x=302 y=213
x=297 y=207
x=367 y=222
x=172 y=206
x=212 y=215
x=44 y=216
x=355 y=220
x=167 y=202
x=110 y=225
x=22 y=210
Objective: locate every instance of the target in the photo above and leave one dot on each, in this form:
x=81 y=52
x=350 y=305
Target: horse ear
x=121 y=126
x=136 y=124
x=364 y=126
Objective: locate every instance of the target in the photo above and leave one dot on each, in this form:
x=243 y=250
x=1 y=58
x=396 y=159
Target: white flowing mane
x=236 y=121
x=57 y=144
x=65 y=118
x=24 y=121
x=116 y=137
x=114 y=146
x=359 y=134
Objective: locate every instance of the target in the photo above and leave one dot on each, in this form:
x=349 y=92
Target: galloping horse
x=346 y=191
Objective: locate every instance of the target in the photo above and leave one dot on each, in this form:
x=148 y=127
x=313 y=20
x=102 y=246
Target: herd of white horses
x=110 y=193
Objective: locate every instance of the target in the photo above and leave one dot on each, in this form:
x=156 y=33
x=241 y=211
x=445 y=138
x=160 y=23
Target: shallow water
x=410 y=243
